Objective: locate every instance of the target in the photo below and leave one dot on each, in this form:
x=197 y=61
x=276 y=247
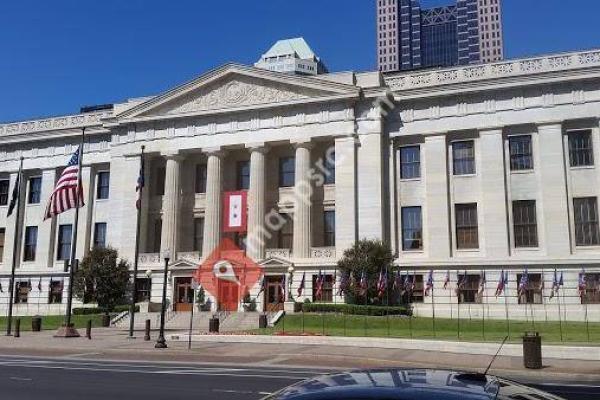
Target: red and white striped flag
x=67 y=193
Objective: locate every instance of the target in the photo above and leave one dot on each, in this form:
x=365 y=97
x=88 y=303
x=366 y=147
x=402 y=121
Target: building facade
x=467 y=172
x=410 y=37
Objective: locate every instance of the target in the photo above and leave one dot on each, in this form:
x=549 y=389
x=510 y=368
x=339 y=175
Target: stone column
x=552 y=180
x=212 y=213
x=346 y=192
x=302 y=203
x=256 y=203
x=171 y=200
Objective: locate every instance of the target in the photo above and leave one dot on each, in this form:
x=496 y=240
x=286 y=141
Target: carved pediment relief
x=234 y=92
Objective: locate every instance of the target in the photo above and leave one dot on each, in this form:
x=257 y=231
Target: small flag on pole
x=343 y=286
x=140 y=183
x=524 y=283
x=40 y=285
x=302 y=284
x=15 y=194
x=429 y=284
x=554 y=289
x=447 y=279
x=502 y=281
x=482 y=282
x=582 y=283
x=319 y=287
x=364 y=284
x=68 y=192
x=382 y=283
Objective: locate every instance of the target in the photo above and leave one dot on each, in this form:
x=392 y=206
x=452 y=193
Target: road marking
x=556 y=384
x=17 y=378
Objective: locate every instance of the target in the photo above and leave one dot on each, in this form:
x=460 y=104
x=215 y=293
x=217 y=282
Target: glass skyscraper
x=411 y=37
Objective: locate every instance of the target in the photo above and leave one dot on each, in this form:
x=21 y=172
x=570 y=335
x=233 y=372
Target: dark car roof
x=407 y=384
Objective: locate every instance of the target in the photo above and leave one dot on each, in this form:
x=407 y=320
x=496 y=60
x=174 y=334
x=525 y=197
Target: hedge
x=98 y=310
x=354 y=309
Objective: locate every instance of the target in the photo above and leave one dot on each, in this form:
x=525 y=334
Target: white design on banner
x=235 y=211
x=224 y=270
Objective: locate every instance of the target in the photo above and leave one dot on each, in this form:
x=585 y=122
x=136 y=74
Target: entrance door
x=274 y=294
x=184 y=294
x=228 y=298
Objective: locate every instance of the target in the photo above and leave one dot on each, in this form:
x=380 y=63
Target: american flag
x=302 y=284
x=429 y=283
x=582 y=283
x=320 y=281
x=447 y=279
x=140 y=184
x=524 y=283
x=65 y=195
x=382 y=283
x=363 y=284
x=502 y=281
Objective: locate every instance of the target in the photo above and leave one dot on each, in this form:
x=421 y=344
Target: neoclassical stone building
x=465 y=171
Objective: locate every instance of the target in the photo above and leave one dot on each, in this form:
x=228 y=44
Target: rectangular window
x=286 y=233
x=329 y=228
x=159 y=182
x=4 y=184
x=30 y=243
x=467 y=235
x=326 y=295
x=525 y=223
x=201 y=178
x=412 y=231
x=144 y=289
x=581 y=151
x=532 y=294
x=586 y=221
x=329 y=168
x=410 y=162
x=35 y=190
x=2 y=239
x=468 y=292
x=592 y=291
x=55 y=292
x=463 y=157
x=243 y=175
x=287 y=171
x=416 y=296
x=22 y=292
x=198 y=234
x=521 y=153
x=102 y=184
x=157 y=236
x=63 y=248
x=100 y=234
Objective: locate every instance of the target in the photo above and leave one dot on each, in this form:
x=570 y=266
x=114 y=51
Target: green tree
x=370 y=257
x=102 y=278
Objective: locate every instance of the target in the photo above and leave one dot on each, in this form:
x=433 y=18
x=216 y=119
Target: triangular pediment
x=275 y=262
x=236 y=87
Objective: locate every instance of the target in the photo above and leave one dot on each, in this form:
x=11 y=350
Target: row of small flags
x=406 y=283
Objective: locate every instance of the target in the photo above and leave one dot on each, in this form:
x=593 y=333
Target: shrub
x=355 y=309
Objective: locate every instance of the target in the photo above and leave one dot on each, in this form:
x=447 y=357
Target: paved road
x=24 y=378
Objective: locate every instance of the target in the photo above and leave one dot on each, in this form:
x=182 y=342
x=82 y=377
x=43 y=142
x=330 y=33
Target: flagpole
x=69 y=331
x=483 y=284
x=137 y=246
x=506 y=305
x=11 y=284
x=433 y=304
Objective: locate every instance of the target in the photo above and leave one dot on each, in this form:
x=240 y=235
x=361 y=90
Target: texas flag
x=235 y=211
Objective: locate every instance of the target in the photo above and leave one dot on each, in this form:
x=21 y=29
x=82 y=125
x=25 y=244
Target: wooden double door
x=184 y=294
x=274 y=293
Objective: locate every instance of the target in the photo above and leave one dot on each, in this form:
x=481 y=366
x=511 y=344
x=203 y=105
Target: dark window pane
x=410 y=162
x=144 y=288
x=412 y=232
x=159 y=188
x=287 y=168
x=591 y=295
x=30 y=243
x=100 y=234
x=200 y=178
x=35 y=190
x=63 y=249
x=103 y=185
x=157 y=236
x=329 y=167
x=469 y=289
x=4 y=184
x=467 y=236
x=525 y=223
x=198 y=234
x=532 y=292
x=463 y=157
x=329 y=228
x=521 y=153
x=586 y=221
x=243 y=175
x=325 y=295
x=581 y=151
x=286 y=233
x=55 y=292
x=22 y=292
x=2 y=240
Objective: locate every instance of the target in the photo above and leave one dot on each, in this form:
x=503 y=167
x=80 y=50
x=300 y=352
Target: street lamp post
x=161 y=343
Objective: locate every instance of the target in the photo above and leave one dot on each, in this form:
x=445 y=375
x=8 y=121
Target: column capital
x=216 y=151
x=302 y=143
x=258 y=146
x=171 y=155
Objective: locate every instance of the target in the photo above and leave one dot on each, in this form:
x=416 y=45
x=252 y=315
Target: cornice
x=521 y=68
x=64 y=122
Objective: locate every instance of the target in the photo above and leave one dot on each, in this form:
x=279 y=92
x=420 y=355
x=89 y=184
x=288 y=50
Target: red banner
x=235 y=211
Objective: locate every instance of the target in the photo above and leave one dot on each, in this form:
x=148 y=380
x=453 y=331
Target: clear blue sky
x=57 y=55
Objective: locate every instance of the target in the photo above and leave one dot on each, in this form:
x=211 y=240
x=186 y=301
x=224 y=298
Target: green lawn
x=54 y=321
x=405 y=327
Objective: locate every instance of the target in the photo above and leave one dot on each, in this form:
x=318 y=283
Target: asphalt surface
x=24 y=378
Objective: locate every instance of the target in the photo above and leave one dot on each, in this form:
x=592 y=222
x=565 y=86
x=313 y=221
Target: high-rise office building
x=411 y=37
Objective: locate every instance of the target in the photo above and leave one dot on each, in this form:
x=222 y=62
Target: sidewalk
x=313 y=352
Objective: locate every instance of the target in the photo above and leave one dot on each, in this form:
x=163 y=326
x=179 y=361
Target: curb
x=473 y=348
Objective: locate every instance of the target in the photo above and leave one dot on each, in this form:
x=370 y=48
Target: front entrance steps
x=229 y=322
